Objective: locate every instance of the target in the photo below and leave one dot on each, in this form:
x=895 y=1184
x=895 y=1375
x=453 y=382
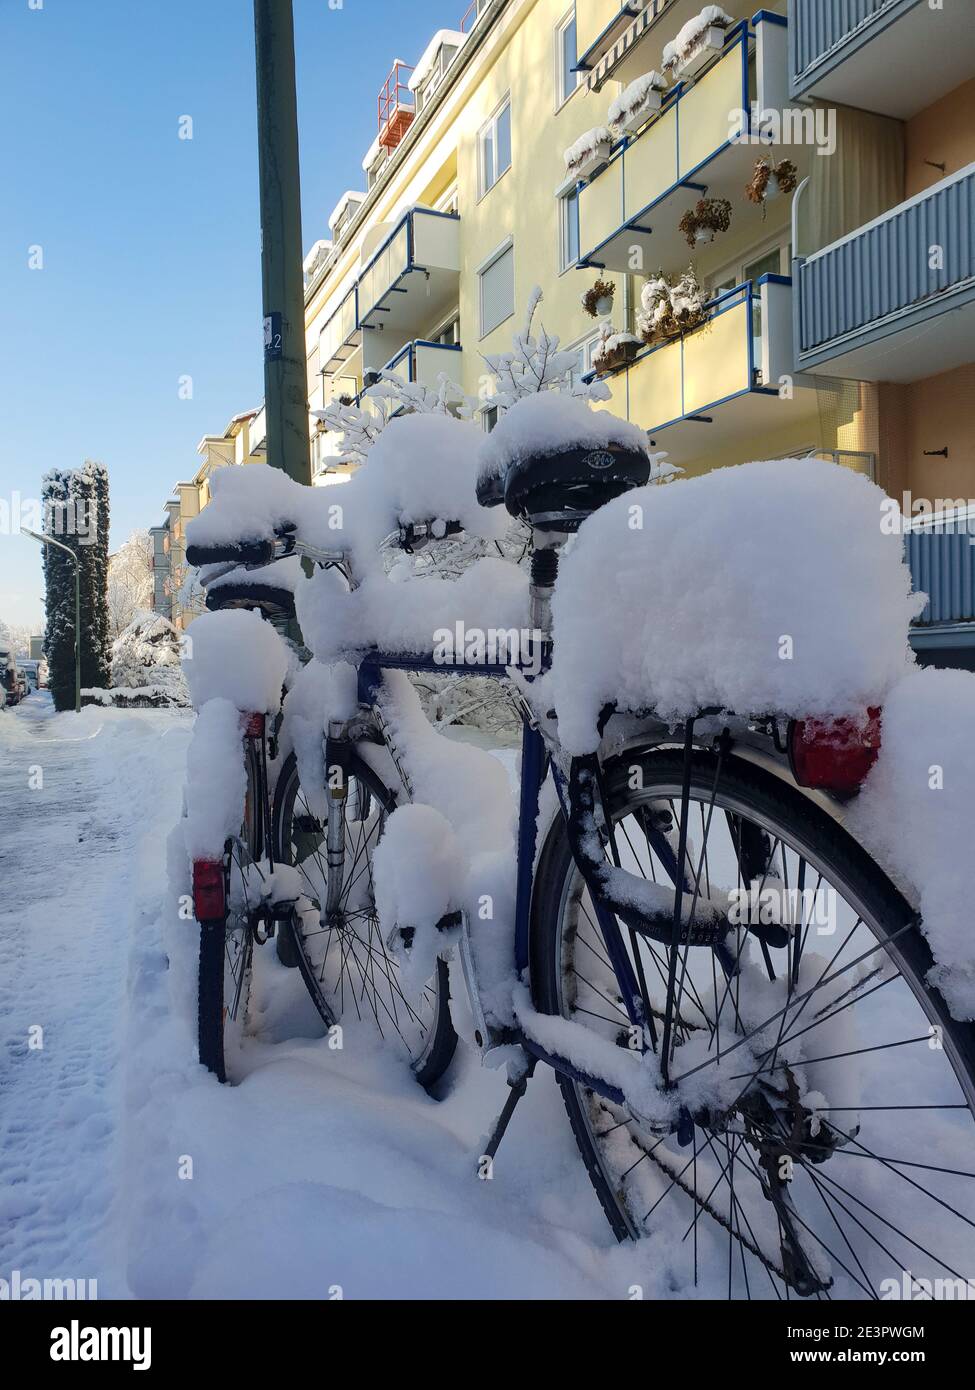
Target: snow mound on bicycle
x=768 y=587
x=549 y=423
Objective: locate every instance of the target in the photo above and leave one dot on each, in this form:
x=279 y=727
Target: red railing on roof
x=397 y=106
x=470 y=16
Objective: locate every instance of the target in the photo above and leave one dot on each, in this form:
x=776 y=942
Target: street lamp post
x=59 y=545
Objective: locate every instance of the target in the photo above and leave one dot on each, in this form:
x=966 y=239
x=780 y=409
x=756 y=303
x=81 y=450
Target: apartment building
x=824 y=330
x=243 y=441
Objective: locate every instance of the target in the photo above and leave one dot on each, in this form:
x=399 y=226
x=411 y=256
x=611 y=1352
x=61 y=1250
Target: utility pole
x=59 y=545
x=285 y=378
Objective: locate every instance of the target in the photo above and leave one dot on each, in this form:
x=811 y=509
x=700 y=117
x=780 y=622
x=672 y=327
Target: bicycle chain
x=711 y=1211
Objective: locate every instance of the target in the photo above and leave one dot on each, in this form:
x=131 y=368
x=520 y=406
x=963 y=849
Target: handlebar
x=251 y=553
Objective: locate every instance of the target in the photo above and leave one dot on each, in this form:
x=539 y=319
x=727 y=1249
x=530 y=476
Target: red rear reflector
x=254 y=726
x=834 y=754
x=208 y=893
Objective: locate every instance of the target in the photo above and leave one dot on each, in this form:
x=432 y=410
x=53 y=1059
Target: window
x=566 y=80
x=569 y=229
x=489 y=418
x=496 y=281
x=449 y=334
x=495 y=147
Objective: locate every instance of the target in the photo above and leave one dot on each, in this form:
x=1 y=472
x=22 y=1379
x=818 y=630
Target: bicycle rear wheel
x=346 y=964
x=842 y=1162
x=227 y=944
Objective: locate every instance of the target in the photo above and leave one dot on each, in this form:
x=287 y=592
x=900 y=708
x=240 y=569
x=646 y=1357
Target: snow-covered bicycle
x=737 y=1000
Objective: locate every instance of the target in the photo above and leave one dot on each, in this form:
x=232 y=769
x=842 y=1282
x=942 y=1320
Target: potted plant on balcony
x=613 y=350
x=669 y=309
x=598 y=300
x=707 y=217
x=589 y=152
x=769 y=179
x=636 y=103
x=697 y=42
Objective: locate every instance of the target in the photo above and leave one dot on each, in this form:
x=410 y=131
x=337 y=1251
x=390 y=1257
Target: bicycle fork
x=337 y=752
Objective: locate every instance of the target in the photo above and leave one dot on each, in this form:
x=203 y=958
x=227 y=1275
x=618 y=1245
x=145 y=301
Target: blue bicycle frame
x=534 y=767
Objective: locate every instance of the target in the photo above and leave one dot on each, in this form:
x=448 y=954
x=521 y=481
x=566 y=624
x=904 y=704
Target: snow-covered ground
x=122 y=1160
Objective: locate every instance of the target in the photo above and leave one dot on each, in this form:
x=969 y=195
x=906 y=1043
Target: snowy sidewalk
x=123 y=1161
x=82 y=799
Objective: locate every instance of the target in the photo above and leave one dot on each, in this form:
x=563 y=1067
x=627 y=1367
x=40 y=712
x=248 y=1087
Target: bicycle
x=664 y=930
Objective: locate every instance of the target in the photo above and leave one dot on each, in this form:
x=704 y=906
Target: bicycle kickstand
x=516 y=1089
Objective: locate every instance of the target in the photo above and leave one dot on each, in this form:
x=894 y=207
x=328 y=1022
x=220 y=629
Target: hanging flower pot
x=700 y=223
x=598 y=301
x=768 y=180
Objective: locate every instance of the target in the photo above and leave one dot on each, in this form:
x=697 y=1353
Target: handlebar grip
x=238 y=553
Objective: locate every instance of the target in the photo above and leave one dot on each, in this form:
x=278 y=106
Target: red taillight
x=254 y=726
x=834 y=754
x=208 y=891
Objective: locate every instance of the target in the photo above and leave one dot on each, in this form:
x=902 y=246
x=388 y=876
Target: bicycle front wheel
x=841 y=1161
x=346 y=965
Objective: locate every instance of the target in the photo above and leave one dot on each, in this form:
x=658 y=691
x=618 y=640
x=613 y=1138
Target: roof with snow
x=349 y=196
x=453 y=37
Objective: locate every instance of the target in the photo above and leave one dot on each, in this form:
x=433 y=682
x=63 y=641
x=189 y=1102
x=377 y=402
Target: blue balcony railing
x=824 y=32
x=912 y=263
x=942 y=563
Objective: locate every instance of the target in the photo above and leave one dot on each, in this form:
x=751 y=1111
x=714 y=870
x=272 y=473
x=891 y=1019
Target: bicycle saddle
x=557 y=491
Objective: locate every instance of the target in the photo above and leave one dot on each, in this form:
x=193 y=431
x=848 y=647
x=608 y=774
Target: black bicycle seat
x=557 y=491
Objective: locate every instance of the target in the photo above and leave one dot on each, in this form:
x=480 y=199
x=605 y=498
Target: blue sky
x=151 y=251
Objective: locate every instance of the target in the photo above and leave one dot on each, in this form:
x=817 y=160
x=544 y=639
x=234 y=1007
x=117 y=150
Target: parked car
x=12 y=679
x=35 y=673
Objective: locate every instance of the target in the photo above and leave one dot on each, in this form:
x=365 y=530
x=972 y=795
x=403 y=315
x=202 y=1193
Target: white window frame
x=490 y=126
x=563 y=212
x=736 y=269
x=488 y=411
x=561 y=95
x=507 y=245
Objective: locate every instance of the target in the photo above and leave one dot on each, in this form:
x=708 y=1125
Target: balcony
x=700 y=143
x=628 y=50
x=411 y=282
x=941 y=556
x=423 y=363
x=864 y=300
x=719 y=384
x=894 y=57
x=600 y=23
x=340 y=337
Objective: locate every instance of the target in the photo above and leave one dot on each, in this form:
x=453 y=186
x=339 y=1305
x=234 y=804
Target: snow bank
x=548 y=422
x=470 y=789
x=216 y=780
x=587 y=144
x=634 y=96
x=418 y=879
x=916 y=812
x=236 y=656
x=285 y=574
x=317 y=694
x=491 y=594
x=766 y=587
x=247 y=504
x=680 y=48
x=420 y=469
